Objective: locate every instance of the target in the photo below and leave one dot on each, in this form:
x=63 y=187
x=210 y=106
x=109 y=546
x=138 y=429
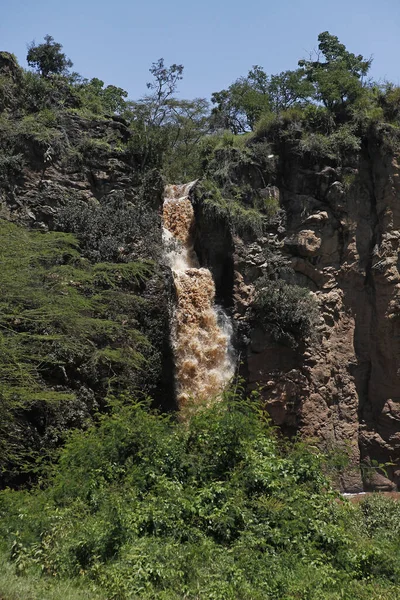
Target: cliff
x=339 y=229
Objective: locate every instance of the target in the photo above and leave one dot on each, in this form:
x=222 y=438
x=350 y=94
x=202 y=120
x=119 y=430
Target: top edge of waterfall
x=179 y=190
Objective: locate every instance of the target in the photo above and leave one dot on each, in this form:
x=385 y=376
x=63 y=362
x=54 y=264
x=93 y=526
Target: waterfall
x=201 y=331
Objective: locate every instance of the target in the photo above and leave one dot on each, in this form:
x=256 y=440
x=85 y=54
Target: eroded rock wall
x=341 y=233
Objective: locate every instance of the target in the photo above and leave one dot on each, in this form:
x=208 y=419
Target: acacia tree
x=156 y=106
x=167 y=130
x=152 y=114
x=240 y=106
x=288 y=89
x=188 y=124
x=337 y=74
x=48 y=58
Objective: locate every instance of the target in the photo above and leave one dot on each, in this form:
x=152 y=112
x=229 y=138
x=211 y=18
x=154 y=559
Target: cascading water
x=201 y=331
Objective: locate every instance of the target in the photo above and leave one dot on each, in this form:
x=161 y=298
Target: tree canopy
x=336 y=73
x=48 y=58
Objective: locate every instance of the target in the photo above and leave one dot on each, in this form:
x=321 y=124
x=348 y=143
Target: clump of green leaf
x=66 y=326
x=141 y=505
x=114 y=229
x=288 y=312
x=242 y=219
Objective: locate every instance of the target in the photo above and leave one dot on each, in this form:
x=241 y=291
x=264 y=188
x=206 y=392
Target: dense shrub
x=381 y=517
x=68 y=335
x=144 y=507
x=113 y=229
x=10 y=167
x=288 y=312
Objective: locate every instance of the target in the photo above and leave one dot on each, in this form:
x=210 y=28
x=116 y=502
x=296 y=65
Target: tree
x=157 y=104
x=47 y=58
x=288 y=89
x=240 y=106
x=188 y=124
x=154 y=113
x=338 y=78
x=100 y=99
x=167 y=130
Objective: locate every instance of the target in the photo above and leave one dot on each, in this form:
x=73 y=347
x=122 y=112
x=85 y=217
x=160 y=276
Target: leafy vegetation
x=66 y=327
x=36 y=587
x=330 y=92
x=288 y=312
x=47 y=58
x=118 y=230
x=338 y=80
x=142 y=506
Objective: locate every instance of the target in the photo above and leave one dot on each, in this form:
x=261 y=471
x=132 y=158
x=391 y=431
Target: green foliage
x=246 y=101
x=166 y=131
x=337 y=79
x=153 y=114
x=288 y=89
x=44 y=129
x=341 y=146
x=389 y=98
x=288 y=312
x=47 y=58
x=174 y=135
x=265 y=124
x=241 y=105
x=143 y=506
x=8 y=92
x=381 y=517
x=244 y=219
x=97 y=99
x=10 y=167
x=113 y=230
x=33 y=586
x=183 y=157
x=65 y=325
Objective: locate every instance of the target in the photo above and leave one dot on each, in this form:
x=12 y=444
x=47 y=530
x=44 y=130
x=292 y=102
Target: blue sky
x=216 y=40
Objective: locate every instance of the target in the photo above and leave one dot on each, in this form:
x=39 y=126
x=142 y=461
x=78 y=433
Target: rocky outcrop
x=341 y=233
x=214 y=247
x=76 y=163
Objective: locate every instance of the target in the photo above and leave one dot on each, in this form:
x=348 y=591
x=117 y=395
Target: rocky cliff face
x=342 y=235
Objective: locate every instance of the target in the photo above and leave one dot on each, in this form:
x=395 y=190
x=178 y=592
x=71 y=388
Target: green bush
x=341 y=146
x=381 y=517
x=113 y=229
x=144 y=506
x=66 y=327
x=317 y=146
x=288 y=312
x=319 y=119
x=10 y=167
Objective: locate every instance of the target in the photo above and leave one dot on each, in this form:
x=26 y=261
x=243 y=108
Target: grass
x=33 y=586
